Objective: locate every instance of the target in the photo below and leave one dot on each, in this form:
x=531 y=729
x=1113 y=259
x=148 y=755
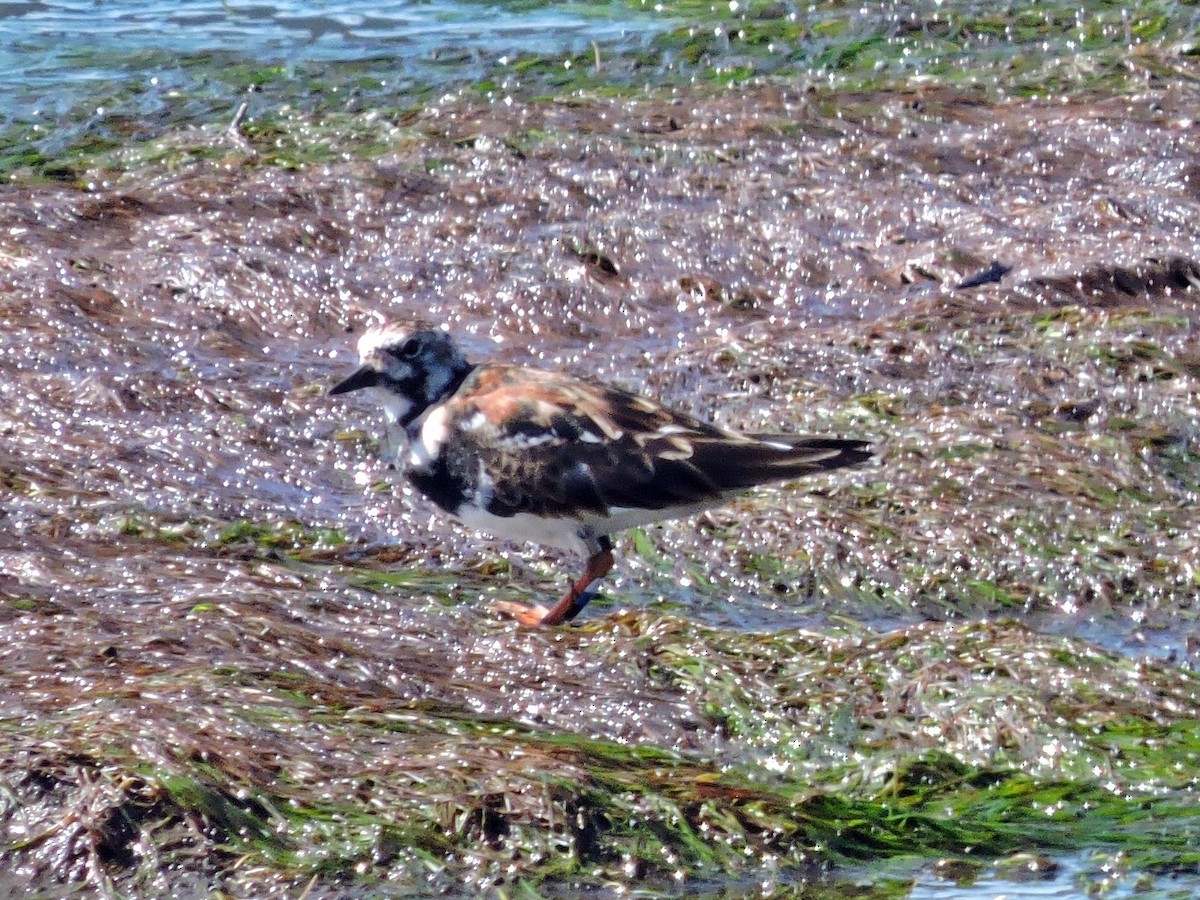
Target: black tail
x=773 y=457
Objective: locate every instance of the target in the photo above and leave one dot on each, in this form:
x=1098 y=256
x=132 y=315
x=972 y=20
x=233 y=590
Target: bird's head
x=407 y=370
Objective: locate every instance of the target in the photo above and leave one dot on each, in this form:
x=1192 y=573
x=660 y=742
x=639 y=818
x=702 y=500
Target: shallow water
x=85 y=41
x=1071 y=878
x=139 y=58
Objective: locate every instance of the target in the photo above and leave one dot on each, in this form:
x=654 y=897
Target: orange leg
x=598 y=565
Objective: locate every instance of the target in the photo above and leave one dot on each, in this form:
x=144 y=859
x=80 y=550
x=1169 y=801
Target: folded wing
x=552 y=446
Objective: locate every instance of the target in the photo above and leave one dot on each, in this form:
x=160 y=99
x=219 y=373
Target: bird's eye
x=410 y=348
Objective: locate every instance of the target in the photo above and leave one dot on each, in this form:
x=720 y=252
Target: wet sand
x=207 y=572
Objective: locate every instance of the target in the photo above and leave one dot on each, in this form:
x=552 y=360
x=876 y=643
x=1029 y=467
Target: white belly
x=563 y=533
x=569 y=534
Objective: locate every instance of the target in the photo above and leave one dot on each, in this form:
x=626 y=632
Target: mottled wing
x=551 y=446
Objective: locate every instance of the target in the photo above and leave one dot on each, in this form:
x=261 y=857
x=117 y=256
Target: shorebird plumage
x=531 y=455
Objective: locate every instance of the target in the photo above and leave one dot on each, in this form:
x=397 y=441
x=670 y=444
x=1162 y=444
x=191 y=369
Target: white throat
x=395 y=406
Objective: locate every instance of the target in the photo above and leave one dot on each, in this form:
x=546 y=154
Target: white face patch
x=395 y=406
x=430 y=438
x=379 y=336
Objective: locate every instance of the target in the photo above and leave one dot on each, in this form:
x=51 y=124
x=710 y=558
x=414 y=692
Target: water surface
x=137 y=56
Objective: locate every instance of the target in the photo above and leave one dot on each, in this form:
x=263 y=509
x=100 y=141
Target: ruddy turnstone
x=535 y=456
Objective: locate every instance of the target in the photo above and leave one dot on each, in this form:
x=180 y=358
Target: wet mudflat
x=239 y=655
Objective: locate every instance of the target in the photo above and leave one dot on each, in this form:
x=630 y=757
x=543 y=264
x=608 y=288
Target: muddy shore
x=237 y=654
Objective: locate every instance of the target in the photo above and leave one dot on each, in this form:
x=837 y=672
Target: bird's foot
x=524 y=613
x=566 y=609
